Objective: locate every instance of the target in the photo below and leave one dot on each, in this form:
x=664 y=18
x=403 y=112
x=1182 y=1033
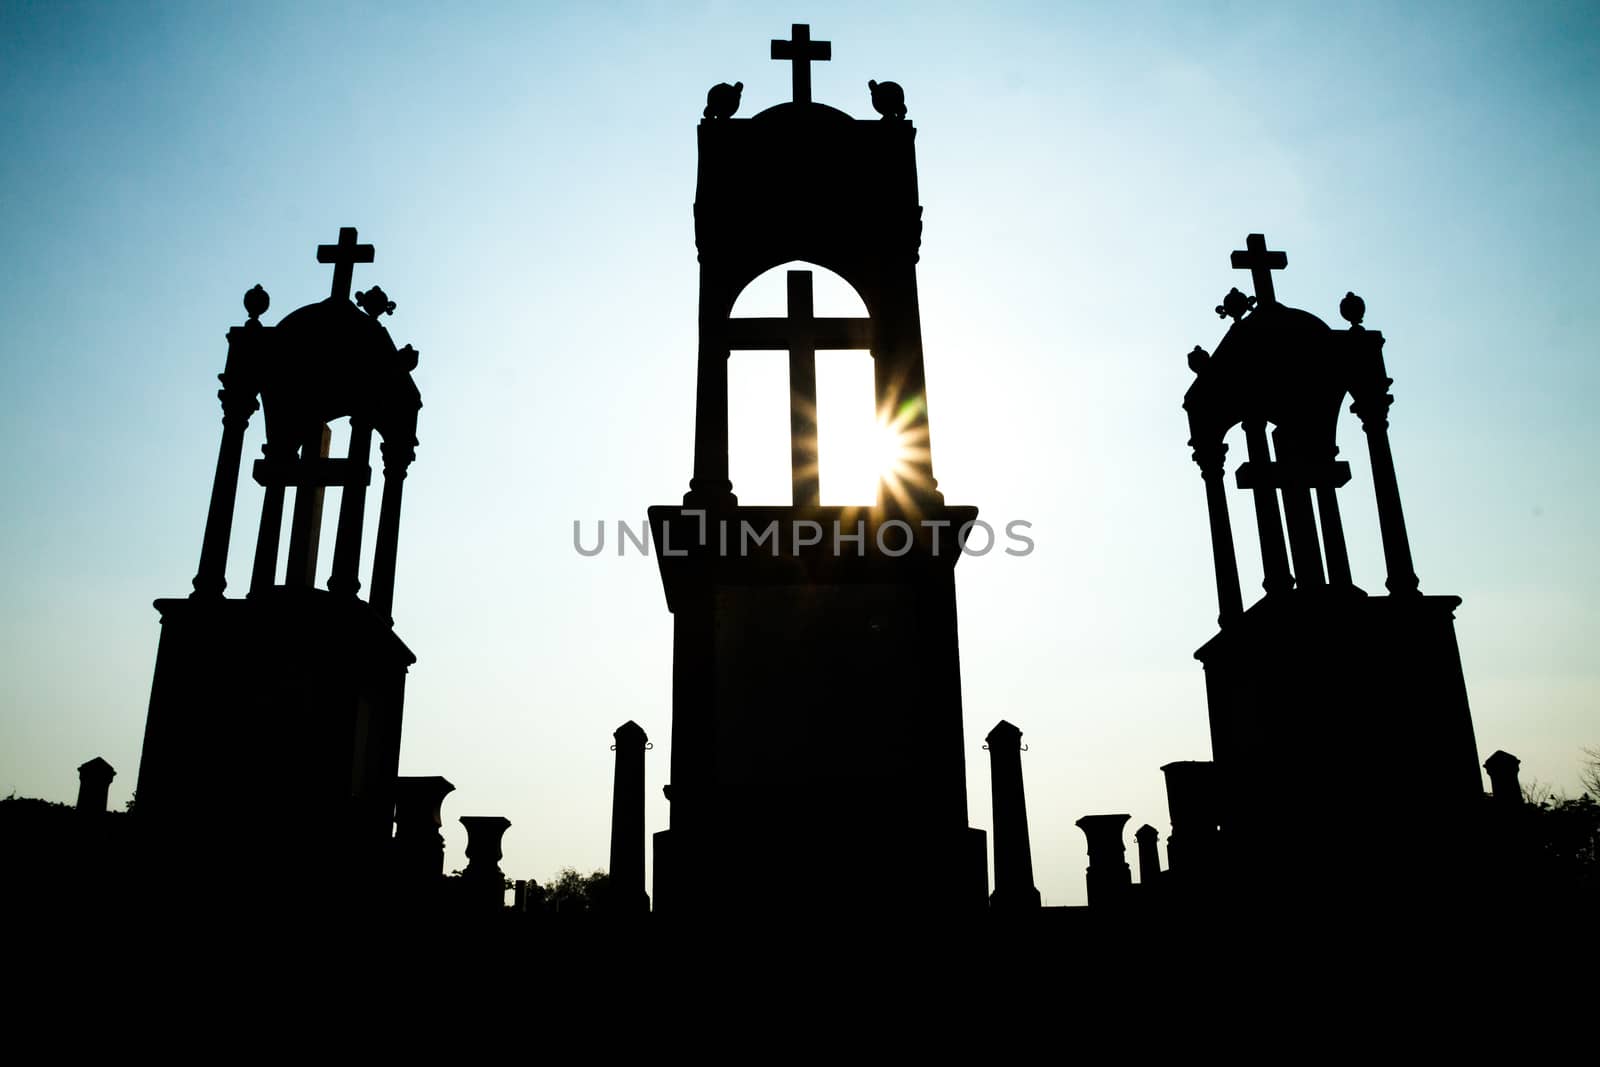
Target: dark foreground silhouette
x=819 y=826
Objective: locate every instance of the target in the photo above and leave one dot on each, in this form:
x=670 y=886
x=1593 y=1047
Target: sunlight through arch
x=857 y=445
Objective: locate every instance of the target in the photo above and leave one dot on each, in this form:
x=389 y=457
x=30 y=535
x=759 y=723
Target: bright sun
x=855 y=459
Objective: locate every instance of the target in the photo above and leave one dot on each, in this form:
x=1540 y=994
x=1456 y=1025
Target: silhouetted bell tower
x=1328 y=705
x=273 y=735
x=816 y=681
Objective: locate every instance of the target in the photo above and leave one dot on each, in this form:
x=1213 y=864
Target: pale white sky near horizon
x=527 y=175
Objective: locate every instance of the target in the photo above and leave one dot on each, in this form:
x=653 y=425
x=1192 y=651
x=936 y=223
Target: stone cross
x=801 y=335
x=344 y=256
x=1260 y=263
x=800 y=51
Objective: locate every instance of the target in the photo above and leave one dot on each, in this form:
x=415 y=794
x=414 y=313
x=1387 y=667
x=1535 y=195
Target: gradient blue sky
x=526 y=173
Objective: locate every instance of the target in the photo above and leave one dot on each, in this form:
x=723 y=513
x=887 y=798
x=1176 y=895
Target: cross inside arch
x=800 y=50
x=801 y=334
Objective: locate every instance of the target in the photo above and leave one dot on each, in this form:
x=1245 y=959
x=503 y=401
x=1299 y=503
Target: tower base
x=817 y=754
x=1343 y=742
x=273 y=738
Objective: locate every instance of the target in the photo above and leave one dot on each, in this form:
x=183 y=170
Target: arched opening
x=851 y=447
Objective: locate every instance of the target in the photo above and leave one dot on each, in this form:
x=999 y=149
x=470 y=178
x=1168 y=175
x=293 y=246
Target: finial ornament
x=1198 y=358
x=888 y=99
x=722 y=100
x=1235 y=305
x=375 y=302
x=256 y=302
x=1353 y=309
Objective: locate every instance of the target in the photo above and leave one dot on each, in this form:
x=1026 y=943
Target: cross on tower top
x=344 y=256
x=800 y=51
x=1260 y=263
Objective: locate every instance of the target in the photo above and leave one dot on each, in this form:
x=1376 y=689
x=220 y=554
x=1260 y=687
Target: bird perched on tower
x=888 y=99
x=722 y=100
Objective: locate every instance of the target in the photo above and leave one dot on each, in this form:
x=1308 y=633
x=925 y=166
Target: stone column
x=94 y=782
x=1297 y=514
x=265 y=572
x=1192 y=807
x=418 y=843
x=1503 y=768
x=305 y=525
x=1149 y=839
x=483 y=883
x=625 y=886
x=899 y=373
x=396 y=459
x=1013 y=858
x=1333 y=536
x=1269 y=523
x=710 y=487
x=345 y=579
x=1372 y=407
x=1229 y=603
x=1109 y=879
x=238 y=404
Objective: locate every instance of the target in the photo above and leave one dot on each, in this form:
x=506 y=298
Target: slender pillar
x=1110 y=881
x=345 y=578
x=396 y=458
x=1374 y=414
x=305 y=528
x=1224 y=562
x=1149 y=839
x=1274 y=558
x=265 y=571
x=625 y=887
x=238 y=404
x=94 y=783
x=1333 y=536
x=1013 y=858
x=483 y=882
x=710 y=485
x=1298 y=516
x=1503 y=768
x=899 y=376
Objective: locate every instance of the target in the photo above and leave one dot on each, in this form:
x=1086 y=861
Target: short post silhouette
x=1503 y=769
x=1013 y=858
x=94 y=782
x=1108 y=876
x=625 y=885
x=418 y=842
x=483 y=883
x=1149 y=839
x=1192 y=809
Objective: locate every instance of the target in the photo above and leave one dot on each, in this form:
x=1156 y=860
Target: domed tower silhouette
x=273 y=734
x=816 y=708
x=1318 y=682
